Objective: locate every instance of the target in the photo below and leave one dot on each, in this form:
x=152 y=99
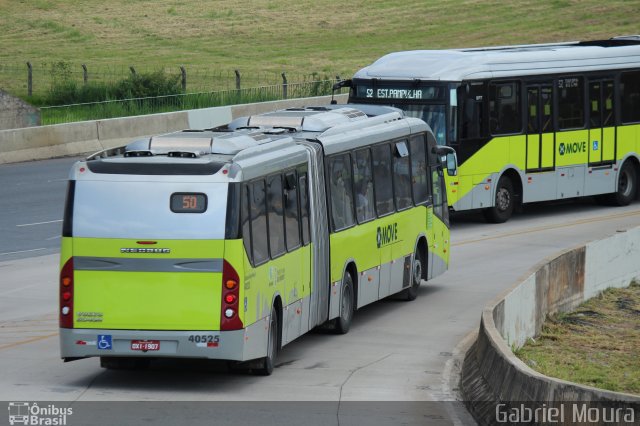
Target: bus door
x=540 y=136
x=602 y=133
x=438 y=255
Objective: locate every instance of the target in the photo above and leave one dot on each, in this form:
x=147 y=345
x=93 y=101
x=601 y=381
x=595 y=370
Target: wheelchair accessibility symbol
x=104 y=342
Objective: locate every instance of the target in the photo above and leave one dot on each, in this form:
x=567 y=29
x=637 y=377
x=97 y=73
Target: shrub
x=157 y=83
x=65 y=91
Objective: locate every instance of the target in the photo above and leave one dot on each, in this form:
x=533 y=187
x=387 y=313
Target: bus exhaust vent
x=183 y=154
x=352 y=113
x=138 y=154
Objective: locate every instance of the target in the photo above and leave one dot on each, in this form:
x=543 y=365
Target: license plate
x=145 y=345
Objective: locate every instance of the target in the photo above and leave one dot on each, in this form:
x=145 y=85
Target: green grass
x=596 y=345
x=271 y=36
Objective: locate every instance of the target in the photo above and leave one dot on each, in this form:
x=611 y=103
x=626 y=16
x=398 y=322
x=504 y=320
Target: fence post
x=183 y=71
x=133 y=70
x=237 y=79
x=85 y=74
x=29 y=79
x=284 y=86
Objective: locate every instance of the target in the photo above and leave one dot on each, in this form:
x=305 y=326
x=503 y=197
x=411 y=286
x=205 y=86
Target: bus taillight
x=230 y=317
x=66 y=295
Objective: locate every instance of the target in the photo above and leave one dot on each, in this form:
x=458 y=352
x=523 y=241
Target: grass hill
x=271 y=36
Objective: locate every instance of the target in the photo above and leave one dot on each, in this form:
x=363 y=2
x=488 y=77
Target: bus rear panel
x=146 y=268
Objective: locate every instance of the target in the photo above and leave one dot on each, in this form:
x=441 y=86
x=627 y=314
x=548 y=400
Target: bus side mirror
x=339 y=85
x=342 y=83
x=448 y=159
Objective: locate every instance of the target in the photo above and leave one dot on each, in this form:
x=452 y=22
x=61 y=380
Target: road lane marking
x=547 y=228
x=39 y=223
x=23 y=342
x=21 y=251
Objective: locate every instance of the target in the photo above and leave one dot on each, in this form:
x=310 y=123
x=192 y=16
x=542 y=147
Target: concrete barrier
x=39 y=143
x=493 y=375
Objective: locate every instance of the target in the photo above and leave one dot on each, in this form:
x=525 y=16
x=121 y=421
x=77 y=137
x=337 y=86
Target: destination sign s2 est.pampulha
x=397 y=93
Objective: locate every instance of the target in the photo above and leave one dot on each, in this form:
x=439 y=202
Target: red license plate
x=145 y=345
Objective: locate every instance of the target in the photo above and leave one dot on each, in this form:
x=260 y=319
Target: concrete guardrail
x=498 y=386
x=58 y=140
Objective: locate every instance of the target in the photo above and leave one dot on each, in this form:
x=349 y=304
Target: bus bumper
x=238 y=345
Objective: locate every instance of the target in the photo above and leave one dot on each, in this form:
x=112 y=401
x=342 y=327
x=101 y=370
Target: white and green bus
x=230 y=243
x=529 y=123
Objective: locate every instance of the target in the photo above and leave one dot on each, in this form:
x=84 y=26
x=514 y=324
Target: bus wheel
x=416 y=277
x=266 y=364
x=626 y=189
x=504 y=202
x=343 y=322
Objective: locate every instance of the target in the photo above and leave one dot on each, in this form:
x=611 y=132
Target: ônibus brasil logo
x=31 y=414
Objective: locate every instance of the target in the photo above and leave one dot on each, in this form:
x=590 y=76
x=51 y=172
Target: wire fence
x=35 y=80
x=152 y=105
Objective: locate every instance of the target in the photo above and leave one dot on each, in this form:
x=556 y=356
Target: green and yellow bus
x=529 y=123
x=230 y=243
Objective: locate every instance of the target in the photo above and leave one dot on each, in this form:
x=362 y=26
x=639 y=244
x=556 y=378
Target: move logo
x=387 y=234
x=572 y=148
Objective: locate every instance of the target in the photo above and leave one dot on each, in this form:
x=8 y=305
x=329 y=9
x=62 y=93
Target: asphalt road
x=403 y=352
x=31 y=207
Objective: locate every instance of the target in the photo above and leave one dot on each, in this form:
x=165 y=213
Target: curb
x=492 y=375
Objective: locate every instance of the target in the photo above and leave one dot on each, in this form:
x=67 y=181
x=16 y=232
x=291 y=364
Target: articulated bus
x=529 y=123
x=229 y=243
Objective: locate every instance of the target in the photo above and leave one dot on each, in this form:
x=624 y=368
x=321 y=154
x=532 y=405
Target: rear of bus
x=149 y=260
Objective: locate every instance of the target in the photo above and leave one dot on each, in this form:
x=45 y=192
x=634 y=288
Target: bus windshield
x=433 y=115
x=424 y=100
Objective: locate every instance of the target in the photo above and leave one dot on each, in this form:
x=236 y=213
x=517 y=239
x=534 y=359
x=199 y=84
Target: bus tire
x=504 y=202
x=124 y=363
x=626 y=187
x=267 y=363
x=411 y=292
x=343 y=322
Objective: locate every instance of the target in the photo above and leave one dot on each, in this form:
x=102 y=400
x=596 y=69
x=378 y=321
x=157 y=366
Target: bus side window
x=504 y=108
x=383 y=184
x=438 y=198
x=547 y=109
x=341 y=191
x=401 y=180
x=276 y=216
x=570 y=103
x=246 y=227
x=363 y=181
x=304 y=207
x=472 y=119
x=608 y=107
x=258 y=209
x=419 y=171
x=630 y=96
x=291 y=219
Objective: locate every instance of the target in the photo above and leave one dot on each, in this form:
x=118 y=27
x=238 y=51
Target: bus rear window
x=130 y=209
